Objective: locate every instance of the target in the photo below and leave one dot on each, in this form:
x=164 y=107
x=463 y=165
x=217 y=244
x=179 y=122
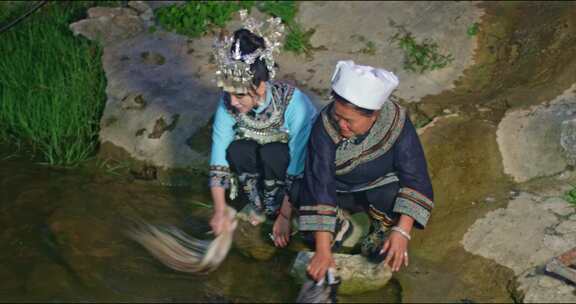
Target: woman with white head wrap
x=364 y=155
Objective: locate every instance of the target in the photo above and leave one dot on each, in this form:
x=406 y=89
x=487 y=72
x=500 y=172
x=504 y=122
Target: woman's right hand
x=219 y=222
x=319 y=265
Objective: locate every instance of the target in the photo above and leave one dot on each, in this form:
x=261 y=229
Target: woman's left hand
x=281 y=231
x=396 y=250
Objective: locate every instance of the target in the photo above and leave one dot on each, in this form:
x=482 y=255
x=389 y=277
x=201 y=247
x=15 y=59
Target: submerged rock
x=252 y=241
x=356 y=273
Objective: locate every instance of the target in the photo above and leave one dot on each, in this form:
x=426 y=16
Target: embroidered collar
x=267 y=100
x=378 y=140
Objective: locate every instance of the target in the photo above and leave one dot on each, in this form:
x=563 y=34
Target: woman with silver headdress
x=260 y=129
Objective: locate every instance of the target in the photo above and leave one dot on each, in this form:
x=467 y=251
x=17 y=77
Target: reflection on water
x=61 y=236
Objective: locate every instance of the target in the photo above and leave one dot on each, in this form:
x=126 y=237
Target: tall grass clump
x=195 y=18
x=297 y=39
x=420 y=56
x=51 y=86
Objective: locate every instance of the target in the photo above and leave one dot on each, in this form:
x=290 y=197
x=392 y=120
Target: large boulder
x=340 y=35
x=357 y=274
x=253 y=241
x=108 y=25
x=530 y=140
x=158 y=89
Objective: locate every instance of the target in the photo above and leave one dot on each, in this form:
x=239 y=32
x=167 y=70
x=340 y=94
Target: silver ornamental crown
x=233 y=69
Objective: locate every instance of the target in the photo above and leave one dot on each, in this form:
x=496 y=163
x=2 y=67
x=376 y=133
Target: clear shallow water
x=61 y=241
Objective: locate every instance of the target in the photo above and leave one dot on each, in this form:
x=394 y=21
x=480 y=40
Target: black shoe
x=343 y=230
x=373 y=242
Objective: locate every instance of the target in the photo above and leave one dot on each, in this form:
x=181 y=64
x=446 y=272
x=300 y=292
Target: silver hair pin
x=233 y=68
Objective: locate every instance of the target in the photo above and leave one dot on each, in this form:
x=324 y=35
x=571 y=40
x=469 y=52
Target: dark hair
x=363 y=111
x=250 y=42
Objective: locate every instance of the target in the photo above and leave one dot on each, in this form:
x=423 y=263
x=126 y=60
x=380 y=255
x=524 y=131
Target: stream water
x=62 y=241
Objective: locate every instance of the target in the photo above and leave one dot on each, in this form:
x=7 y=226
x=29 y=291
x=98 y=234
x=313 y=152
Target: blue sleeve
x=298 y=119
x=222 y=136
x=415 y=197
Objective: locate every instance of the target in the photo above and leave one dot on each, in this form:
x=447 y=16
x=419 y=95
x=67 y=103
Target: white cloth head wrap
x=362 y=85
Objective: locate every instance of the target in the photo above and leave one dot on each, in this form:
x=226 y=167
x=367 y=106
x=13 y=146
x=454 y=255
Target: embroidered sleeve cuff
x=219 y=176
x=414 y=204
x=317 y=218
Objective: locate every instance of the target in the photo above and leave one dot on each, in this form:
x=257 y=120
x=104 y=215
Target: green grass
x=197 y=18
x=297 y=39
x=473 y=29
x=570 y=196
x=51 y=86
x=420 y=56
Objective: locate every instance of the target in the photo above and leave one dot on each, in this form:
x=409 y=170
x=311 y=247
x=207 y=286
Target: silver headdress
x=233 y=72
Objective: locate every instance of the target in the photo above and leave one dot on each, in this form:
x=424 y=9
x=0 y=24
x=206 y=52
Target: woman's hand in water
x=281 y=231
x=319 y=265
x=281 y=228
x=322 y=259
x=219 y=219
x=219 y=222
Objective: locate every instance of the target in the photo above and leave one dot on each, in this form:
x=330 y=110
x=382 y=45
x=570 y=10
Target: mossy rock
x=356 y=273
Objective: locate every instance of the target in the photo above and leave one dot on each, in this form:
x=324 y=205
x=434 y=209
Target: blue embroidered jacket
x=389 y=152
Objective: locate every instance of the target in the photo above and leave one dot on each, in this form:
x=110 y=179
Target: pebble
x=489 y=199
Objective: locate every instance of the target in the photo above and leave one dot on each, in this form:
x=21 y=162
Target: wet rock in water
x=568 y=139
x=356 y=273
x=252 y=241
x=83 y=242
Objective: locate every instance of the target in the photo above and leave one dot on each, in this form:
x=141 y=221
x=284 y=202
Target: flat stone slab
x=530 y=139
x=524 y=237
x=340 y=34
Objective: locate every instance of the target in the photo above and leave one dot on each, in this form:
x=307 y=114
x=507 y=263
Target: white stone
x=558 y=206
